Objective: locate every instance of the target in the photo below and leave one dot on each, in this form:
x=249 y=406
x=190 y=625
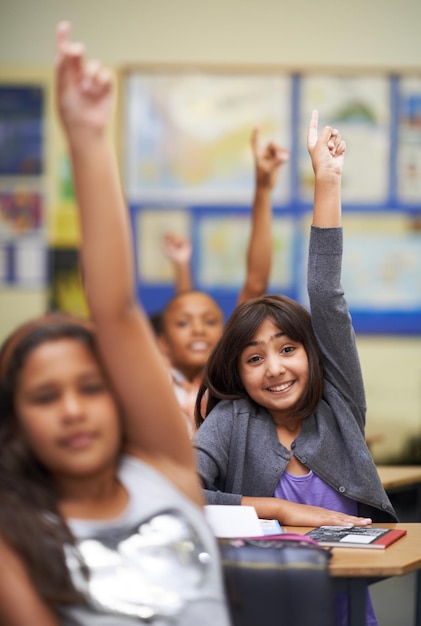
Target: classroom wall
x=364 y=34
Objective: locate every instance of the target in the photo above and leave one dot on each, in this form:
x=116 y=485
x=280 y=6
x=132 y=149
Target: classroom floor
x=394 y=599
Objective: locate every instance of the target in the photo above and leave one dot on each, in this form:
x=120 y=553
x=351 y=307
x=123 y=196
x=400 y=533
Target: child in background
x=286 y=407
x=100 y=519
x=192 y=322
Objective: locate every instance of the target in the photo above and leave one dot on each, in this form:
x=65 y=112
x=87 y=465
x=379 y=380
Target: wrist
x=82 y=138
x=327 y=177
x=263 y=189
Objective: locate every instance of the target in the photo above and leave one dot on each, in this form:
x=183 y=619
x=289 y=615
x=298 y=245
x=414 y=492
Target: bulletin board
x=187 y=167
x=22 y=185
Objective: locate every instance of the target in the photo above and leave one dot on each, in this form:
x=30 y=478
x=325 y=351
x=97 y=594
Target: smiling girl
x=285 y=417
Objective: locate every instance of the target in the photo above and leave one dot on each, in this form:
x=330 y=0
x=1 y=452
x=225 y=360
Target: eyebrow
x=257 y=343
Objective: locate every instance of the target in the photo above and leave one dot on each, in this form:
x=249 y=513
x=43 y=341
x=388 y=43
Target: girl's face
x=193 y=325
x=65 y=410
x=274 y=371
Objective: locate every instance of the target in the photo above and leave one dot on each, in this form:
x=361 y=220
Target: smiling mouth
x=78 y=441
x=282 y=387
x=199 y=346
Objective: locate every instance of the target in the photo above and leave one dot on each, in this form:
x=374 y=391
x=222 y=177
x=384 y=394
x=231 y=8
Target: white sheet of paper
x=233 y=521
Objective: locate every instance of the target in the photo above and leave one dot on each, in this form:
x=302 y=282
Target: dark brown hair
x=29 y=518
x=221 y=379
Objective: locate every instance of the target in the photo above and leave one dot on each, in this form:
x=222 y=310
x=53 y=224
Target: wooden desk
x=399 y=476
x=402 y=478
x=353 y=569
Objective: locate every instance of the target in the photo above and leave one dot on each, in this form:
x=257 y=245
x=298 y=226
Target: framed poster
x=187 y=133
x=21 y=130
x=186 y=149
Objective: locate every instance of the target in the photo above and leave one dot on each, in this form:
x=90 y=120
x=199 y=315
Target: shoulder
x=19 y=601
x=232 y=409
x=225 y=417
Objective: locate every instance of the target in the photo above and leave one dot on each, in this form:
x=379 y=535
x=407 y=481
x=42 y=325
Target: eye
x=181 y=323
x=211 y=322
x=93 y=388
x=254 y=359
x=45 y=397
x=288 y=349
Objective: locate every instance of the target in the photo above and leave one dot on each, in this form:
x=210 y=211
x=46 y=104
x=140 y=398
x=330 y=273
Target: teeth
x=199 y=345
x=280 y=387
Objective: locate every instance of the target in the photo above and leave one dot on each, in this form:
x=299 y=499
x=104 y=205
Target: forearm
x=183 y=277
x=294 y=514
x=327 y=201
x=259 y=251
x=106 y=244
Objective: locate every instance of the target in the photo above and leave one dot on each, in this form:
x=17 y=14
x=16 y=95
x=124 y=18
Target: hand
x=177 y=248
x=306 y=515
x=267 y=160
x=327 y=150
x=83 y=88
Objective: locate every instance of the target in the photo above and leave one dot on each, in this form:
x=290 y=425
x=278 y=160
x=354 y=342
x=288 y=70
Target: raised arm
x=327 y=152
x=153 y=424
x=331 y=320
x=178 y=249
x=267 y=164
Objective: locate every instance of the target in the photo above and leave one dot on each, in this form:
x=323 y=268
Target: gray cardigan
x=238 y=451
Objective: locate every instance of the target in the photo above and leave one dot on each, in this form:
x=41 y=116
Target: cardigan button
x=342 y=489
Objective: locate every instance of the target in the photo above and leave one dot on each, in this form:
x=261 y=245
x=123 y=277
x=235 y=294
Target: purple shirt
x=310 y=489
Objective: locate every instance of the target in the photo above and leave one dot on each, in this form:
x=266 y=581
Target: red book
x=356 y=536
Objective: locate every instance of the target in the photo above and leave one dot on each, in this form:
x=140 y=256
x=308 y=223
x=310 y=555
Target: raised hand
x=83 y=88
x=327 y=149
x=267 y=160
x=177 y=248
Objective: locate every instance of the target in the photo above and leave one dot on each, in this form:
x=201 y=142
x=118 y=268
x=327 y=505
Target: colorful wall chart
x=188 y=167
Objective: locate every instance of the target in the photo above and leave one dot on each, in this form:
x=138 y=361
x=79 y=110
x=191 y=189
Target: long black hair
x=221 y=379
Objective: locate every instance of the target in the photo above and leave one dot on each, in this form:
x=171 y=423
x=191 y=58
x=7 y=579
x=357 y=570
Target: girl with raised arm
x=101 y=518
x=286 y=407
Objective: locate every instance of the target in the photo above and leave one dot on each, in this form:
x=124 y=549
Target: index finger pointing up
x=312 y=135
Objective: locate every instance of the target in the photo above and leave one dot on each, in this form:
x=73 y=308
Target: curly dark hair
x=221 y=379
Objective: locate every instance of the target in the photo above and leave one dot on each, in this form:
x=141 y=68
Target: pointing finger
x=312 y=130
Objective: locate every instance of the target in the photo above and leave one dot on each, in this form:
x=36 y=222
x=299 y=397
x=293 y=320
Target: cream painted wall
x=361 y=34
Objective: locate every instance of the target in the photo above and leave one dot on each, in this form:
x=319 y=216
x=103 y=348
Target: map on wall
x=187 y=150
x=360 y=108
x=223 y=246
x=381 y=263
x=188 y=134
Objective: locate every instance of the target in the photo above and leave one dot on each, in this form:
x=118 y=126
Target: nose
x=274 y=365
x=198 y=327
x=72 y=406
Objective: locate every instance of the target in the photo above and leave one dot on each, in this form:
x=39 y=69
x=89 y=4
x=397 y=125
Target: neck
x=91 y=497
x=291 y=424
x=190 y=374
